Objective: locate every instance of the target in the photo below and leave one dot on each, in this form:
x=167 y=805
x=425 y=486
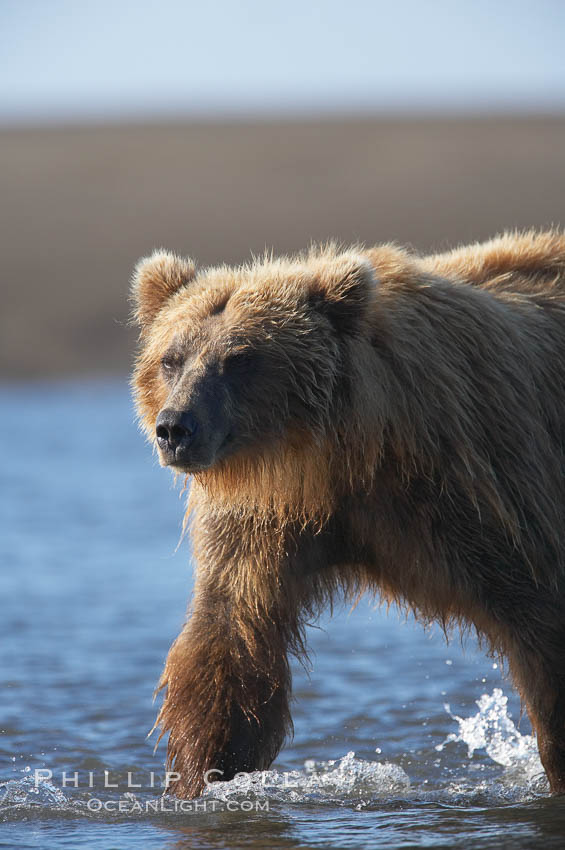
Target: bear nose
x=174 y=428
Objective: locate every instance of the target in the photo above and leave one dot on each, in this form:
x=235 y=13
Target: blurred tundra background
x=222 y=129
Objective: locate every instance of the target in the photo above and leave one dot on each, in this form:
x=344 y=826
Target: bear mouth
x=191 y=465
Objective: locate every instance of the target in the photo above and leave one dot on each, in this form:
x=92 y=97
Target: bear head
x=235 y=361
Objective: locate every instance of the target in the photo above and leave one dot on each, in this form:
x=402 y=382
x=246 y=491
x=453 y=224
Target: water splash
x=351 y=781
x=338 y=780
x=493 y=730
x=26 y=793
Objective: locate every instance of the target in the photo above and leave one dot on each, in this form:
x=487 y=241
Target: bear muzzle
x=175 y=431
x=191 y=442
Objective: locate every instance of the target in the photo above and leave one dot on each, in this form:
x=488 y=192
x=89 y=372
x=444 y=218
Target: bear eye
x=170 y=364
x=239 y=361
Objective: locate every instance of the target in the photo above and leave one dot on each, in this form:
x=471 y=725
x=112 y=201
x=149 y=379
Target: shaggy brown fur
x=366 y=419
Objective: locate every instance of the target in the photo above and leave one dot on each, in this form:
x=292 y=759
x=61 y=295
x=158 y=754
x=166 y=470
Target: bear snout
x=174 y=431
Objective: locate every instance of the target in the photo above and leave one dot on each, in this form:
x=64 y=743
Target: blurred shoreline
x=224 y=115
x=81 y=203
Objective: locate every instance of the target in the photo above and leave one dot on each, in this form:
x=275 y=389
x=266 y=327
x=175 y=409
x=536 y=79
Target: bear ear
x=154 y=280
x=343 y=290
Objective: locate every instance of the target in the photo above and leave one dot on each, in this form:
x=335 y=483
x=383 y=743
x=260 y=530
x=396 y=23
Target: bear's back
x=525 y=263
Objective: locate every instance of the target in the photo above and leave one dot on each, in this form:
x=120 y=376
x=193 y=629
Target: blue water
x=391 y=748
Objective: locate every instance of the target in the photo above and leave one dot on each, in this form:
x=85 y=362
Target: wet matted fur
x=365 y=419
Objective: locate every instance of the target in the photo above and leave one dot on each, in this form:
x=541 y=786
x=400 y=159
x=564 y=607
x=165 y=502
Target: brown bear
x=351 y=420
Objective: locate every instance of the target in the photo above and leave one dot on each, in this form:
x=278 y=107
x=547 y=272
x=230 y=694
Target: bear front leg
x=538 y=671
x=545 y=699
x=226 y=705
x=551 y=744
x=227 y=676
